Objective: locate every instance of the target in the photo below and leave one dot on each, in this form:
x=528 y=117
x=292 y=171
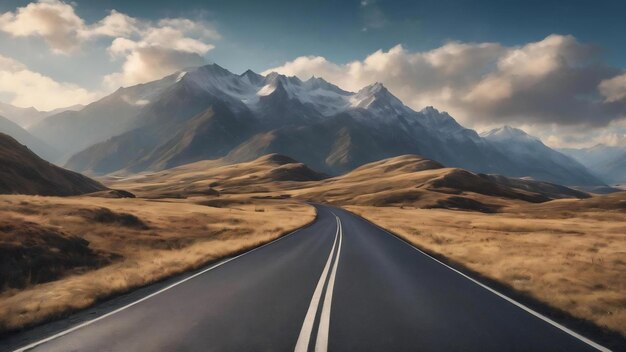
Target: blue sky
x=260 y=35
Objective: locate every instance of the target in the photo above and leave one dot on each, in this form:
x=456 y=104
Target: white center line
x=307 y=326
x=321 y=345
x=89 y=322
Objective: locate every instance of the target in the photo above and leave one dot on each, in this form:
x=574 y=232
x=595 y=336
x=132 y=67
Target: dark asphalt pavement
x=340 y=284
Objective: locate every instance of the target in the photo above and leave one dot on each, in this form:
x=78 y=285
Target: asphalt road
x=341 y=284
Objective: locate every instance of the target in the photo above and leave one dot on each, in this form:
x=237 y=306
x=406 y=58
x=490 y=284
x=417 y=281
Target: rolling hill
x=410 y=180
x=267 y=174
x=407 y=180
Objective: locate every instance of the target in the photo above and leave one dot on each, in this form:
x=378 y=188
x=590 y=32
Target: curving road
x=340 y=284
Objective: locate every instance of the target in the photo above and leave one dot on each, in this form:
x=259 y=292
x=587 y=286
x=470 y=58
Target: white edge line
x=89 y=322
x=302 y=345
x=501 y=295
x=321 y=344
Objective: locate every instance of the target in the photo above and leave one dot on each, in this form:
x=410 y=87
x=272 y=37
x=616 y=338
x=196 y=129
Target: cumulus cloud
x=28 y=88
x=554 y=80
x=614 y=89
x=571 y=137
x=116 y=24
x=146 y=49
x=146 y=63
x=53 y=20
x=173 y=45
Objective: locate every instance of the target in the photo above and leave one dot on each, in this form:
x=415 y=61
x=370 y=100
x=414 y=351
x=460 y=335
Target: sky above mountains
x=554 y=68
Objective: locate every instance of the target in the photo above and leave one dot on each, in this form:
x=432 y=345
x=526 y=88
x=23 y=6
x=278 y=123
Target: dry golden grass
x=570 y=254
x=270 y=173
x=411 y=180
x=161 y=238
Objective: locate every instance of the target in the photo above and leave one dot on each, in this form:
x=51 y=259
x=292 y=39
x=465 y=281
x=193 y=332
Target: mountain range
x=608 y=162
x=27 y=117
x=209 y=112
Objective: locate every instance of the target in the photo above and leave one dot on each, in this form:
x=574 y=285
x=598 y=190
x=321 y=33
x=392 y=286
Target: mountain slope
x=535 y=159
x=23 y=172
x=313 y=121
x=32 y=142
x=605 y=161
x=73 y=131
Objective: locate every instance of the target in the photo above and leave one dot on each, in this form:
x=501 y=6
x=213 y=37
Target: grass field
x=58 y=255
x=566 y=253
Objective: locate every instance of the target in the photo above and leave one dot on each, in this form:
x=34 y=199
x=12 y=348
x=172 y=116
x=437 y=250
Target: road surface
x=340 y=284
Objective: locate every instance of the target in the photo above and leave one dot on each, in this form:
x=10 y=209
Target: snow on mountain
x=506 y=133
x=248 y=87
x=187 y=116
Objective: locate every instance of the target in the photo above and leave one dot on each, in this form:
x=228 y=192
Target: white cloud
x=571 y=137
x=177 y=43
x=148 y=49
x=614 y=89
x=554 y=80
x=53 y=20
x=28 y=88
x=146 y=63
x=116 y=24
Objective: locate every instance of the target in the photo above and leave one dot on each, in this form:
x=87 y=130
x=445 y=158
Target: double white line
x=321 y=343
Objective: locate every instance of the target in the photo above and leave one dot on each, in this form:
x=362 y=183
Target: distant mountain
x=27 y=117
x=209 y=113
x=536 y=160
x=73 y=131
x=607 y=162
x=23 y=172
x=32 y=142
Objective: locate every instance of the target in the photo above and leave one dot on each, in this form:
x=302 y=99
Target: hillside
x=21 y=135
x=23 y=172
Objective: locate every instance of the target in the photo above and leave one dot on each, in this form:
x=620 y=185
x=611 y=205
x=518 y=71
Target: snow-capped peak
x=507 y=133
x=324 y=97
x=376 y=97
